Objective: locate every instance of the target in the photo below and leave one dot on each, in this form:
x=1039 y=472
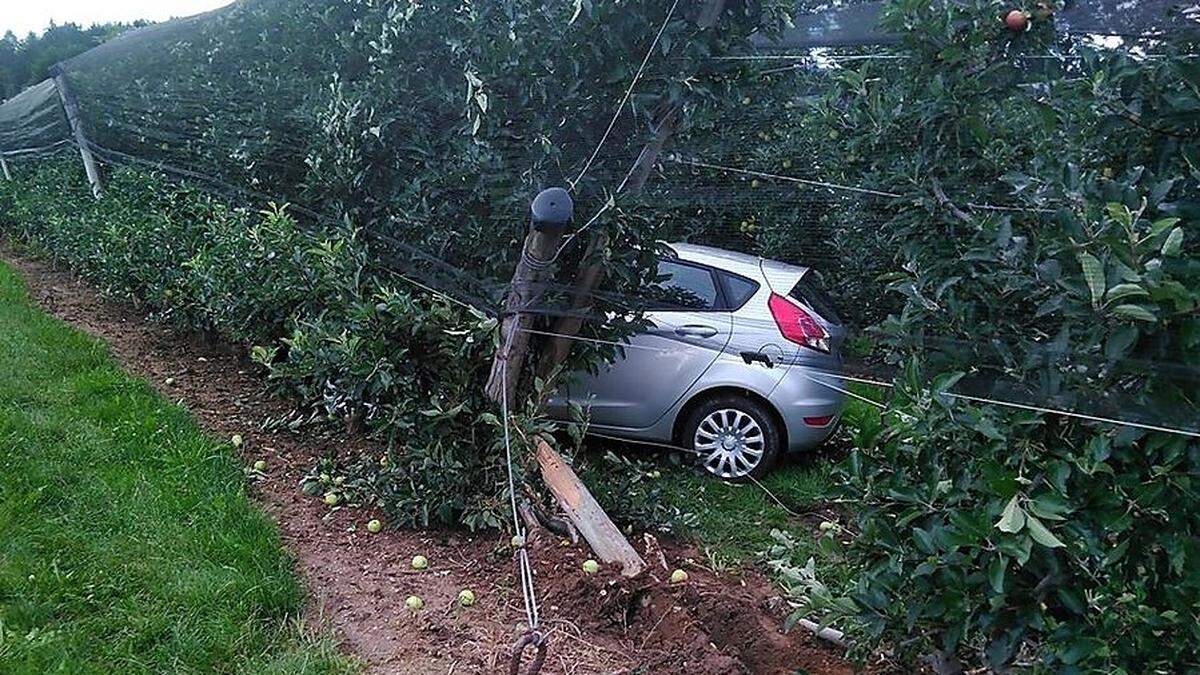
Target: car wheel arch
x=700 y=397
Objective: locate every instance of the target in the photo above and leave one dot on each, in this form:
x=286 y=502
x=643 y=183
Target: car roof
x=740 y=263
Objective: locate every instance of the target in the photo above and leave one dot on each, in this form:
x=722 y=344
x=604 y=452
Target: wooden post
x=4 y=165
x=596 y=528
x=72 y=110
x=552 y=210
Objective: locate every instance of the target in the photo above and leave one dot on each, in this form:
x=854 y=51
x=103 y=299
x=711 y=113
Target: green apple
x=466 y=597
x=374 y=526
x=591 y=566
x=678 y=577
x=414 y=603
x=420 y=562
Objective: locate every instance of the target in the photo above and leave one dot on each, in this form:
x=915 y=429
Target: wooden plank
x=596 y=528
x=4 y=165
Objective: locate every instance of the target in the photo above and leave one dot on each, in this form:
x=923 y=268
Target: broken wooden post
x=81 y=139
x=594 y=525
x=552 y=209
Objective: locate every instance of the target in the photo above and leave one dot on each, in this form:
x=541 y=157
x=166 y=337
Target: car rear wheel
x=734 y=437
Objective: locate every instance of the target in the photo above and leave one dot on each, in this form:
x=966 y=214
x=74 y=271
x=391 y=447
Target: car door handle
x=696 y=331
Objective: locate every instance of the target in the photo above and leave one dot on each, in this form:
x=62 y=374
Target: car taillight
x=797 y=325
x=822 y=421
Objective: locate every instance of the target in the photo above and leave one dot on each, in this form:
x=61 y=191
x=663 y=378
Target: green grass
x=127 y=542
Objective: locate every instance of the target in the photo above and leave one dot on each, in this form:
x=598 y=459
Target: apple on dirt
x=679 y=576
x=260 y=465
x=420 y=562
x=236 y=440
x=374 y=526
x=590 y=566
x=466 y=597
x=332 y=498
x=414 y=603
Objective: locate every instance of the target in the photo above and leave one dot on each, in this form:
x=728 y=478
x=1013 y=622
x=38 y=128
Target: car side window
x=683 y=287
x=738 y=290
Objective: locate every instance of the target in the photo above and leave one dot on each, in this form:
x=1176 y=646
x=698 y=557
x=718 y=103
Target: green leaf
x=1093 y=273
x=996 y=573
x=1012 y=520
x=1050 y=507
x=1120 y=213
x=1162 y=225
x=1042 y=535
x=1134 y=313
x=1126 y=290
x=1173 y=243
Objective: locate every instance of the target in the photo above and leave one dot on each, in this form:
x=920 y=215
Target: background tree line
x=24 y=61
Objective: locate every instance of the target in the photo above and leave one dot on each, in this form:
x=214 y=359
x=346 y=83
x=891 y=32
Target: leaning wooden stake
x=594 y=525
x=551 y=212
x=4 y=165
x=81 y=139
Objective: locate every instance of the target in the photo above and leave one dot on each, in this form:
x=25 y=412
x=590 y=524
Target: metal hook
x=538 y=641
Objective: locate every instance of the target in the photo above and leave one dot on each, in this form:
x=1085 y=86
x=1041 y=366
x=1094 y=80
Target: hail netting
x=32 y=122
x=431 y=128
x=428 y=126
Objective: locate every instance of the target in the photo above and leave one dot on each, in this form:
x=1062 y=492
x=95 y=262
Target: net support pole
x=552 y=210
x=81 y=139
x=4 y=166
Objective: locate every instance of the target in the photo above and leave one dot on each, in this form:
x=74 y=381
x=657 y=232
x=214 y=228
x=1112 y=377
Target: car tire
x=745 y=423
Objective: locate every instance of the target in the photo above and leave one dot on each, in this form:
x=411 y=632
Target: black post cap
x=552 y=209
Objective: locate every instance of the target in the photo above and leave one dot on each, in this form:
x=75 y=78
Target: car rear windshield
x=809 y=291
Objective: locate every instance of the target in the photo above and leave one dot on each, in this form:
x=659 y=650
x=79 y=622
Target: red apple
x=1016 y=21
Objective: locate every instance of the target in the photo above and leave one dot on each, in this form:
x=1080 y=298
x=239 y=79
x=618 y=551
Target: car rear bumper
x=810 y=402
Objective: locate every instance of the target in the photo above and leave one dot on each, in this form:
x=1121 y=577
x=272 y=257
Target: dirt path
x=714 y=624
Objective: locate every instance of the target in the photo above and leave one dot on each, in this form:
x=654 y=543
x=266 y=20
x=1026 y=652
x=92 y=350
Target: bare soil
x=714 y=624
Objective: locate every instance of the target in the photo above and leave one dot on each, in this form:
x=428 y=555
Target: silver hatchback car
x=740 y=364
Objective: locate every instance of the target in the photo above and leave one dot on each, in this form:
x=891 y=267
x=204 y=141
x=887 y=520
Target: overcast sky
x=22 y=16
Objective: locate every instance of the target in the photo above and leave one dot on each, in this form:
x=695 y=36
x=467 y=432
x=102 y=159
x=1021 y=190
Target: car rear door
x=690 y=327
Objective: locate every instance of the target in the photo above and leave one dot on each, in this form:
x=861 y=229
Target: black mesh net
x=257 y=108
